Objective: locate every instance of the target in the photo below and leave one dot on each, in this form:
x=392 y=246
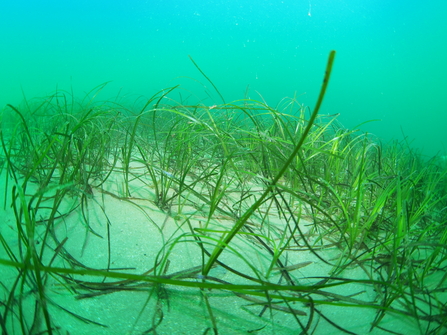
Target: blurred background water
x=390 y=65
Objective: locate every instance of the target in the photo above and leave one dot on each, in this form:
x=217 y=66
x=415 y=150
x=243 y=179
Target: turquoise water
x=390 y=61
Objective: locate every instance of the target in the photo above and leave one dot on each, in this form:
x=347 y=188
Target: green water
x=187 y=219
x=390 y=63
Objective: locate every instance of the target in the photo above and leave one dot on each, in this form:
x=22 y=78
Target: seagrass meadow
x=239 y=218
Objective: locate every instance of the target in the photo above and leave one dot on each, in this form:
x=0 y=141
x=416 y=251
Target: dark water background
x=391 y=55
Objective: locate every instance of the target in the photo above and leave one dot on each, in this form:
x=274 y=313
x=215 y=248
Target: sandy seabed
x=132 y=235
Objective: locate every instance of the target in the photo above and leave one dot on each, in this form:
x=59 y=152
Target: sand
x=142 y=235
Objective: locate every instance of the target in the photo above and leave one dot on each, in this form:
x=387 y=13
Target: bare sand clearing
x=132 y=235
